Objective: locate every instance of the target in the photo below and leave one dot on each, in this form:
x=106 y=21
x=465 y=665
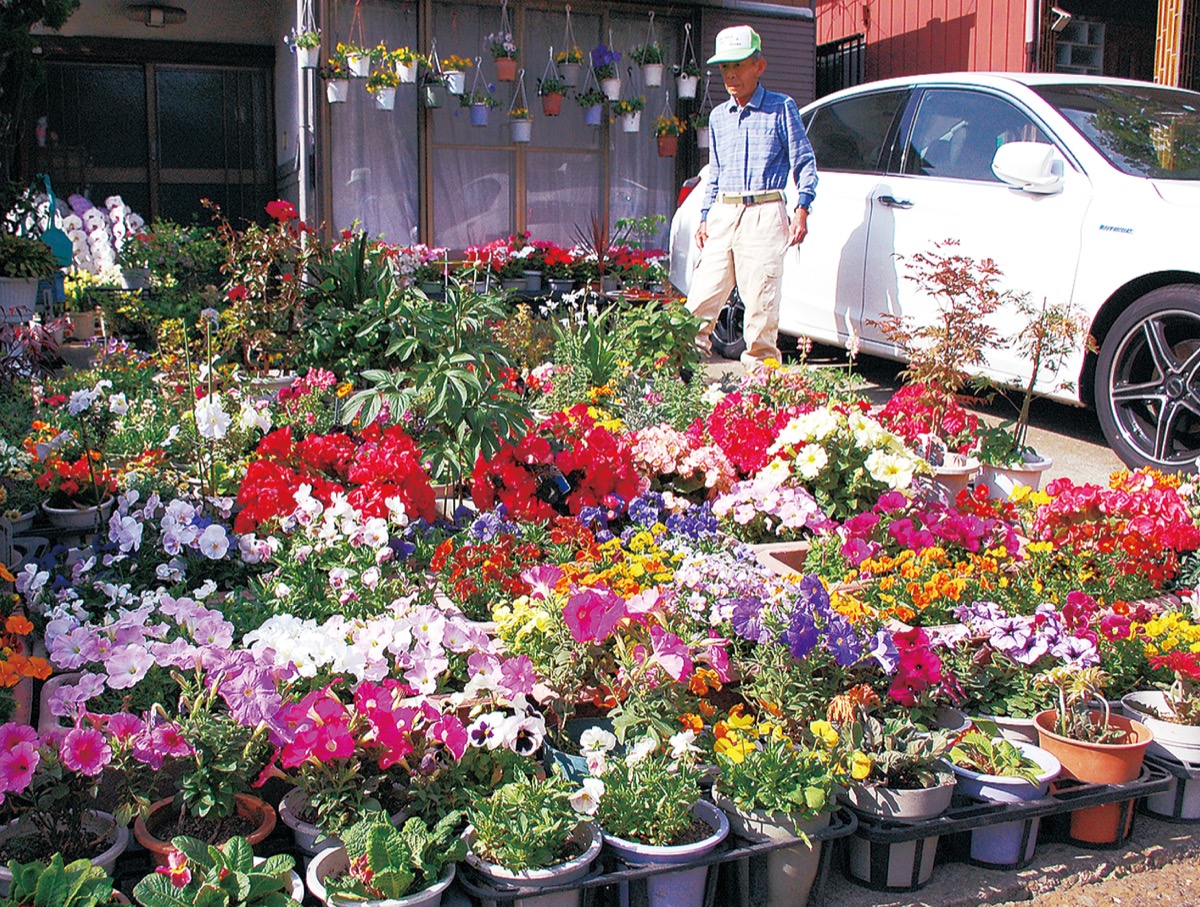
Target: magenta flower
x=85 y=750
x=17 y=766
x=449 y=731
x=176 y=869
x=671 y=653
x=542 y=580
x=12 y=734
x=592 y=614
x=124 y=726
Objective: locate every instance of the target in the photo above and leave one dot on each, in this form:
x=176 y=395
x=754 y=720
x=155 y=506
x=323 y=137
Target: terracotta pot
x=552 y=104
x=784 y=558
x=145 y=828
x=506 y=69
x=668 y=145
x=1098 y=763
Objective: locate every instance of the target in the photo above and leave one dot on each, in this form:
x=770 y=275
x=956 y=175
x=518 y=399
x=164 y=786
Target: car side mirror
x=1028 y=166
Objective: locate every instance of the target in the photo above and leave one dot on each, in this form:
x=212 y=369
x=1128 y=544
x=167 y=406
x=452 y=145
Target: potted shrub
x=569 y=64
x=1173 y=715
x=23 y=263
x=1050 y=334
x=650 y=58
x=591 y=101
x=58 y=884
x=228 y=875
x=535 y=833
x=382 y=86
x=1094 y=746
x=629 y=112
x=480 y=102
x=773 y=788
x=651 y=801
x=504 y=53
x=898 y=772
x=551 y=90
x=405 y=867
x=521 y=121
x=306 y=45
x=687 y=79
x=604 y=65
x=454 y=70
x=668 y=129
x=49 y=787
x=990 y=768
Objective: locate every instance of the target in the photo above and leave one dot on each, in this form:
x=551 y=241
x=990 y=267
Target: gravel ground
x=1174 y=884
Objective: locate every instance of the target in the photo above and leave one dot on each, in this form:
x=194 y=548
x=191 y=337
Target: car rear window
x=1141 y=130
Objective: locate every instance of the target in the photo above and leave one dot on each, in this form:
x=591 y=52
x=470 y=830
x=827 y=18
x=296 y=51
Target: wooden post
x=1175 y=46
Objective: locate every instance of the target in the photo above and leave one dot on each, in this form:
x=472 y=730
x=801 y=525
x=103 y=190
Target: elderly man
x=757 y=141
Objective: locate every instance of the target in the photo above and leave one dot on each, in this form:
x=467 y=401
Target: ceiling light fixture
x=155 y=15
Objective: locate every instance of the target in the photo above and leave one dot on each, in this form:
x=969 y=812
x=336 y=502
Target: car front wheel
x=1148 y=381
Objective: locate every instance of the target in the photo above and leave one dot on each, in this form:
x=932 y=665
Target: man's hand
x=701 y=234
x=799 y=228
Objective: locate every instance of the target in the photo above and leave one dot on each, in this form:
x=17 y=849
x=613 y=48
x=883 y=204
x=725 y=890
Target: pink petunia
x=17 y=766
x=516 y=676
x=592 y=614
x=85 y=750
x=125 y=726
x=671 y=652
x=13 y=733
x=449 y=731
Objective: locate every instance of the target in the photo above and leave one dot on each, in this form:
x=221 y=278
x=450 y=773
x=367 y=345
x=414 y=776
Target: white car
x=1081 y=189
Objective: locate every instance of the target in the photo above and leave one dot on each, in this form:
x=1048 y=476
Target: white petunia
x=810 y=460
x=212 y=421
x=586 y=800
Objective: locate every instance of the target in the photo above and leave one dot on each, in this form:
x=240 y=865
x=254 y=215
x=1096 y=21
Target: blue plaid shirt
x=755 y=147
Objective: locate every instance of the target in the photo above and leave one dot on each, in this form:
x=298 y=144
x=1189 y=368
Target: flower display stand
x=738 y=873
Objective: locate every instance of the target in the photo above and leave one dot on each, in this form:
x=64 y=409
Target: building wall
x=909 y=37
x=223 y=21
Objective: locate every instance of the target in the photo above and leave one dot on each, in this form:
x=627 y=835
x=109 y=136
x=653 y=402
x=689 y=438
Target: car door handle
x=889 y=201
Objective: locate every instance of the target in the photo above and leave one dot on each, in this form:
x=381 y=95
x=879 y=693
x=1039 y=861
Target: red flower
x=282 y=211
x=238 y=293
x=1185 y=664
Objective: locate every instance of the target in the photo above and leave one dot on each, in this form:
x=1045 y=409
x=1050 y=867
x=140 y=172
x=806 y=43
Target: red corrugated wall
x=909 y=37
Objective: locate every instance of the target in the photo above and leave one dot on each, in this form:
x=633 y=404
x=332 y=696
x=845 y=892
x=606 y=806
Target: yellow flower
x=739 y=722
x=771 y=362
x=824 y=732
x=734 y=751
x=344 y=389
x=860 y=766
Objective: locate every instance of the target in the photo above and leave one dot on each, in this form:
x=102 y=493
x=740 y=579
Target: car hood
x=1178 y=192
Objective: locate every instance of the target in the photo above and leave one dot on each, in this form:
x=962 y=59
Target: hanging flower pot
x=479 y=114
x=359 y=65
x=668 y=145
x=552 y=104
x=570 y=73
x=456 y=81
x=406 y=72
x=522 y=131
x=652 y=75
x=632 y=121
x=308 y=57
x=385 y=98
x=337 y=90
x=506 y=69
x=593 y=115
x=686 y=86
x=611 y=88
x=433 y=94
x=702 y=137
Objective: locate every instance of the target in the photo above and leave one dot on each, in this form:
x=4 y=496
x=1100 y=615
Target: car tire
x=1148 y=381
x=726 y=337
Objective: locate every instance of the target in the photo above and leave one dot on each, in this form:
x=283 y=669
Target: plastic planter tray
x=599 y=888
x=1180 y=802
x=1064 y=798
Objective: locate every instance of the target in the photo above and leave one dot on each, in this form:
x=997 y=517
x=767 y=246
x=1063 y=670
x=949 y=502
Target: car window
x=956 y=133
x=850 y=134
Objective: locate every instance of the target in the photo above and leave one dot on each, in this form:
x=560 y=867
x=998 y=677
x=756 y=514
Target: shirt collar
x=755 y=101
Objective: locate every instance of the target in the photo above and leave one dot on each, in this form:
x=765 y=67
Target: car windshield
x=1143 y=131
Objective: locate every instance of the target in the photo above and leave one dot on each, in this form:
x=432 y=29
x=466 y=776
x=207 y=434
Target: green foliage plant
x=525 y=824
x=984 y=751
x=23 y=258
x=1080 y=694
x=218 y=876
x=648 y=796
x=645 y=54
x=903 y=754
x=55 y=884
x=780 y=776
x=389 y=862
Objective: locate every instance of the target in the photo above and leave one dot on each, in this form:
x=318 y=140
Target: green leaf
x=238 y=854
x=156 y=890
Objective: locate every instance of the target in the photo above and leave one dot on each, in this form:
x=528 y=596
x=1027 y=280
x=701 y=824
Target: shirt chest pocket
x=762 y=138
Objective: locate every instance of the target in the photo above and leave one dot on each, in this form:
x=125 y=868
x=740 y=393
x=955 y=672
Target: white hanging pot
x=385 y=99
x=407 y=72
x=336 y=90
x=522 y=130
x=456 y=81
x=570 y=73
x=360 y=65
x=309 y=57
x=685 y=85
x=631 y=122
x=611 y=88
x=702 y=136
x=652 y=74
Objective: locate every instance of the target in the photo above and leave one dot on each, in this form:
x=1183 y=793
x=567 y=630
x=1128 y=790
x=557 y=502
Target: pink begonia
x=719 y=473
x=671 y=653
x=85 y=750
x=658 y=450
x=592 y=614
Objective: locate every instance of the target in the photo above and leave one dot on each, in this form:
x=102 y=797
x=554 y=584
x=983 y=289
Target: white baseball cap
x=735 y=43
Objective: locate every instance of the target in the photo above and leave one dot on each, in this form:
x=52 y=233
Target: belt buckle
x=749 y=199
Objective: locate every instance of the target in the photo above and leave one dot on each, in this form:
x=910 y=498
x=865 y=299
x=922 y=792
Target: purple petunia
x=747 y=620
x=843 y=642
x=801 y=635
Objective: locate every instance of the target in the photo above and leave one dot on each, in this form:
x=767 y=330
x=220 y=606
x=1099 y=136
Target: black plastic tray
x=1181 y=774
x=600 y=886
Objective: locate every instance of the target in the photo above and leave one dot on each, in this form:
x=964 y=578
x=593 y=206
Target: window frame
x=886 y=149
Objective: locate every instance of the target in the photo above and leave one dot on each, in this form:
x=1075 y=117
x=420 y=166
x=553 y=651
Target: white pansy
x=586 y=800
